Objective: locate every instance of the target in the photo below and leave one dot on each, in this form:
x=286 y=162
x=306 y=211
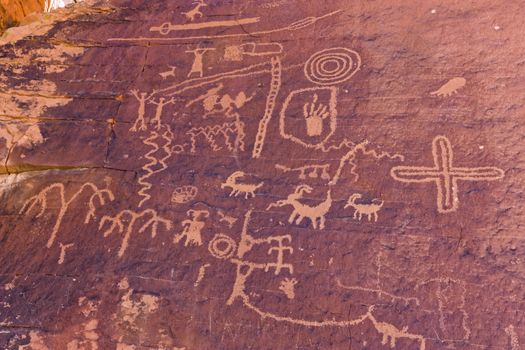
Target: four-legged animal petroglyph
x=325 y=68
x=370 y=209
x=226 y=218
x=168 y=73
x=301 y=211
x=444 y=174
x=196 y=11
x=42 y=200
x=225 y=248
x=192 y=228
x=389 y=331
x=240 y=188
x=118 y=223
x=167 y=27
x=198 y=61
x=450 y=87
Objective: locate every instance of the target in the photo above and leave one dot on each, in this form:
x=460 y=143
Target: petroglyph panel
x=265 y=175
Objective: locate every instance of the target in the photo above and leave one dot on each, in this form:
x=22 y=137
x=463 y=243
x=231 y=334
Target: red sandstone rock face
x=264 y=175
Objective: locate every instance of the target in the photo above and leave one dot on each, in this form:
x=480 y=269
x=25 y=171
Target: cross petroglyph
x=444 y=174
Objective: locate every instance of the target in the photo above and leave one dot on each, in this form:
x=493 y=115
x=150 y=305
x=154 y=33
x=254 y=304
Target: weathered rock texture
x=12 y=12
x=264 y=175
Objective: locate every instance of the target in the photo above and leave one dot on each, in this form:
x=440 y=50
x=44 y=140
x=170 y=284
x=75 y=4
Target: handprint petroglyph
x=314 y=114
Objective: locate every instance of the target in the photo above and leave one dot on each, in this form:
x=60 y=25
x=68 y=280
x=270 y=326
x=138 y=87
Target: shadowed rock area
x=263 y=175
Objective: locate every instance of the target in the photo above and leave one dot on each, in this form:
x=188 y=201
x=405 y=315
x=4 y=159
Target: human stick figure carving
x=198 y=61
x=370 y=209
x=192 y=228
x=140 y=122
x=240 y=188
x=300 y=211
x=166 y=28
x=118 y=223
x=196 y=11
x=444 y=174
x=42 y=200
x=158 y=111
x=224 y=247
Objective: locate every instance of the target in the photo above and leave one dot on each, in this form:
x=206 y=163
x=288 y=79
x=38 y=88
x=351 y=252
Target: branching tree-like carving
x=118 y=223
x=41 y=200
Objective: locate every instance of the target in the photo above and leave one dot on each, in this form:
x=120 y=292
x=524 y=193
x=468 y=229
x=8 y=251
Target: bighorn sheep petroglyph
x=361 y=209
x=196 y=11
x=301 y=210
x=238 y=188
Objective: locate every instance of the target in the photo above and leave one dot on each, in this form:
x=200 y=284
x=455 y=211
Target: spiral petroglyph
x=332 y=66
x=222 y=246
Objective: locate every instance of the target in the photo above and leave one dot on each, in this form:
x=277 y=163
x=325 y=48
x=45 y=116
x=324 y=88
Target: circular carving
x=332 y=66
x=222 y=246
